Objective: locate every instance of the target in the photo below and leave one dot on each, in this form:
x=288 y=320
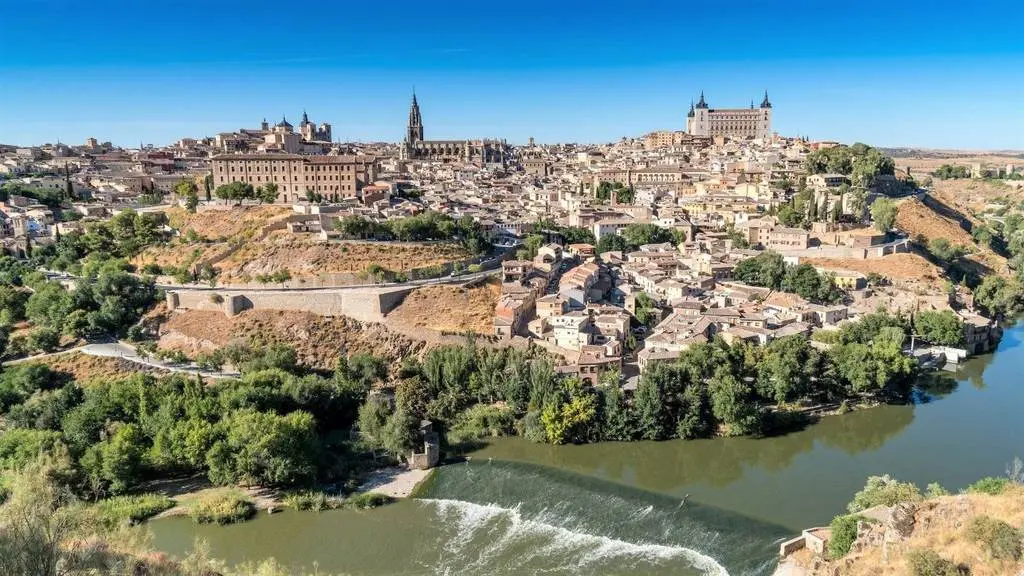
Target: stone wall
x=363 y=304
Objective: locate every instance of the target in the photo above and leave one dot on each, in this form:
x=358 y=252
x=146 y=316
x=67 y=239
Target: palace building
x=477 y=151
x=333 y=177
x=703 y=120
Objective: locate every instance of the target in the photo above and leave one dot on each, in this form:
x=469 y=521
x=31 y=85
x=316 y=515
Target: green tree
x=188 y=190
x=266 y=449
x=943 y=327
x=883 y=491
x=267 y=193
x=883 y=212
x=612 y=243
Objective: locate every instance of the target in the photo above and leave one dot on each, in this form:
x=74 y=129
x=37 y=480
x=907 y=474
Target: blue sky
x=916 y=73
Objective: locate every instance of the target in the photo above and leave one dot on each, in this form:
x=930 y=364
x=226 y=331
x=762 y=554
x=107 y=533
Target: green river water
x=618 y=508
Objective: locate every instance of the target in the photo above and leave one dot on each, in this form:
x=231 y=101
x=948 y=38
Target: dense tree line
x=241 y=191
x=769 y=270
x=427 y=226
x=107 y=301
x=712 y=389
x=272 y=426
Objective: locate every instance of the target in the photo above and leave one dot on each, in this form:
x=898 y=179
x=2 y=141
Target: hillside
x=902 y=266
x=942 y=525
x=318 y=340
x=307 y=258
x=223 y=222
x=449 y=308
x=937 y=219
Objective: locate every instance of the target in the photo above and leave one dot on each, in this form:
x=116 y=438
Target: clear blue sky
x=910 y=72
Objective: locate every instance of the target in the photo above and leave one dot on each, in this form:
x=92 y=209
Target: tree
x=265 y=449
x=208 y=186
x=999 y=297
x=648 y=406
x=268 y=193
x=188 y=190
x=648 y=312
x=883 y=212
x=637 y=235
x=767 y=269
x=610 y=243
x=939 y=327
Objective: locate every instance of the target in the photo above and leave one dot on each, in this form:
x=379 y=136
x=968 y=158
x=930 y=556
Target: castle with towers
x=415 y=147
x=703 y=120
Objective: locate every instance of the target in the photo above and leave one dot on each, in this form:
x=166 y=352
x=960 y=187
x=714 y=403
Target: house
x=787 y=239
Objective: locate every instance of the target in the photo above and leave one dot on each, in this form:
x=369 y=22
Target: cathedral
x=703 y=120
x=464 y=151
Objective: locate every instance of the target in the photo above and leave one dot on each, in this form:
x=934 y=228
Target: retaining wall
x=363 y=304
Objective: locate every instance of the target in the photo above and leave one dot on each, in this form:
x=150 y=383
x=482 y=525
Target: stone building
x=415 y=147
x=333 y=177
x=703 y=120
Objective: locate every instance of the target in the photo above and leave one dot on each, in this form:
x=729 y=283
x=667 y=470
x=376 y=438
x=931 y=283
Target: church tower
x=414 y=131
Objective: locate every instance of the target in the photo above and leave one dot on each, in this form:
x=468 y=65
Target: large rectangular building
x=333 y=177
x=730 y=122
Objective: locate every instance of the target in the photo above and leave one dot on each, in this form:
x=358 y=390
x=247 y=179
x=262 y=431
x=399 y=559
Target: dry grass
x=903 y=266
x=318 y=340
x=941 y=525
x=226 y=222
x=916 y=219
x=307 y=258
x=83 y=367
x=449 y=308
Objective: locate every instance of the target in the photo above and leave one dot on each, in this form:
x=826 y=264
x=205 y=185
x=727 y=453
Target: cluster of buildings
x=717 y=186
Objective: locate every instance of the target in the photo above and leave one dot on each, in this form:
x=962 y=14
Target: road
x=129 y=353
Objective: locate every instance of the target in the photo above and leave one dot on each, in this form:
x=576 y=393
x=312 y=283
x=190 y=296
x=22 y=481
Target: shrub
x=928 y=563
x=312 y=500
x=482 y=421
x=934 y=490
x=991 y=485
x=366 y=500
x=152 y=269
x=131 y=509
x=883 y=491
x=844 y=532
x=1001 y=539
x=216 y=298
x=223 y=508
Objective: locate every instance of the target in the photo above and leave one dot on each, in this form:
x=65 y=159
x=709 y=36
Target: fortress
x=703 y=120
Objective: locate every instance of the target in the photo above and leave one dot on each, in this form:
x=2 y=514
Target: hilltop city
x=360 y=304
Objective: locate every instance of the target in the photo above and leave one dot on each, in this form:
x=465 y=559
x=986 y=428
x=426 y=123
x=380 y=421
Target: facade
x=703 y=120
x=415 y=147
x=333 y=177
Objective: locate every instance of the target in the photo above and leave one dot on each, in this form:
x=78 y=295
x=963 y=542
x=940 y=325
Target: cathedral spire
x=305 y=118
x=691 y=113
x=702 y=103
x=765 y=103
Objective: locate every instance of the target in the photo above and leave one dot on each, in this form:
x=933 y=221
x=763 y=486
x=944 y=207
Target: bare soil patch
x=318 y=340
x=449 y=308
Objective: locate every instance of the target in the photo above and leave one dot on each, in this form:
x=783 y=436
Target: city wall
x=363 y=304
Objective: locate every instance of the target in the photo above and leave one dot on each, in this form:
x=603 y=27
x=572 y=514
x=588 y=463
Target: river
x=680 y=507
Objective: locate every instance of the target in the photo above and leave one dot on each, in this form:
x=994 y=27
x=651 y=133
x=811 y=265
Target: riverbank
x=395 y=482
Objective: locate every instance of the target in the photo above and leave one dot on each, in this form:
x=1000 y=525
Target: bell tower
x=414 y=130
